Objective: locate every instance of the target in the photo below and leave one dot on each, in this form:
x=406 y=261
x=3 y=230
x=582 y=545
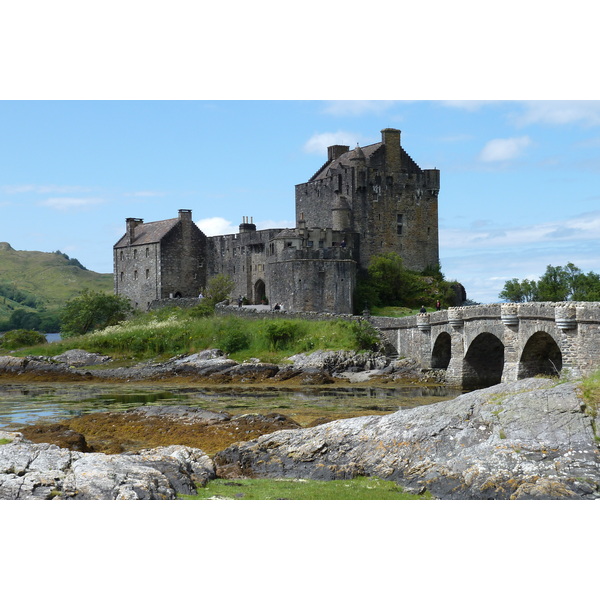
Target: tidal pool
x=26 y=404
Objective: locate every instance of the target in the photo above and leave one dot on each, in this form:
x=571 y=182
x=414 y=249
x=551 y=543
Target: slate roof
x=148 y=233
x=350 y=159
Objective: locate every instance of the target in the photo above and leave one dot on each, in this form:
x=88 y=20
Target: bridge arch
x=541 y=356
x=442 y=351
x=483 y=362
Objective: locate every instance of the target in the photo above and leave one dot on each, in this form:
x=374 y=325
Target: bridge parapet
x=523 y=339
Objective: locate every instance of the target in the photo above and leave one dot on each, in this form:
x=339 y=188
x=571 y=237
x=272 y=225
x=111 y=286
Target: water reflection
x=25 y=404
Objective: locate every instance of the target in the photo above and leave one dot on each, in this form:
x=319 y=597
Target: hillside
x=42 y=281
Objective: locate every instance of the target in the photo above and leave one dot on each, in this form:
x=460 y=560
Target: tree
x=219 y=288
x=519 y=291
x=387 y=283
x=91 y=311
x=557 y=284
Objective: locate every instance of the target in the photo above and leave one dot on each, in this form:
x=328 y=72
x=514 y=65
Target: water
x=25 y=404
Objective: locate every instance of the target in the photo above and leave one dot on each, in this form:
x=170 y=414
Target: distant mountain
x=42 y=282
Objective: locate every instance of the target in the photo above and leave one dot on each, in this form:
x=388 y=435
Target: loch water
x=26 y=404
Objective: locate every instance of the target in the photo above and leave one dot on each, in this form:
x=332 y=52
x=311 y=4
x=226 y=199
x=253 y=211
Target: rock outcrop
x=529 y=439
x=43 y=471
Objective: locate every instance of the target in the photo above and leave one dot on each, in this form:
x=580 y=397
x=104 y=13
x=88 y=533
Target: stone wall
x=522 y=339
x=392 y=202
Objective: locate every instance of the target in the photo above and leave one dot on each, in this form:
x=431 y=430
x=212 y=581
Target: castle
x=360 y=203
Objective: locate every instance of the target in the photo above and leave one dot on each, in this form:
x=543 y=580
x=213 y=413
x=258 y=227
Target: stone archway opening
x=442 y=351
x=259 y=292
x=484 y=362
x=541 y=356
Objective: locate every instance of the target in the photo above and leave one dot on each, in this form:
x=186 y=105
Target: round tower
x=341 y=214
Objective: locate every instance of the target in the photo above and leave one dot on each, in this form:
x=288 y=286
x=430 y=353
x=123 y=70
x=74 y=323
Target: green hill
x=41 y=283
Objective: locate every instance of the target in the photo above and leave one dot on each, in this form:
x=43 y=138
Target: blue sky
x=519 y=179
x=111 y=110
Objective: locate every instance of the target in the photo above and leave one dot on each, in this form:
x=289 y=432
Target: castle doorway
x=259 y=292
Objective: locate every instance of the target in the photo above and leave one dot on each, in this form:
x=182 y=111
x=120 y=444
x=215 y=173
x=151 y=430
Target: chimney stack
x=334 y=152
x=131 y=225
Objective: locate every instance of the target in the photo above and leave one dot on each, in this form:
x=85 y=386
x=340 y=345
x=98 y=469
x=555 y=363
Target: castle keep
x=360 y=203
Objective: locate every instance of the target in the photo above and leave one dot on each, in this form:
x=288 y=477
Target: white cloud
x=469 y=105
x=319 y=142
x=502 y=149
x=216 y=226
x=559 y=112
x=275 y=224
x=70 y=203
x=355 y=108
x=578 y=228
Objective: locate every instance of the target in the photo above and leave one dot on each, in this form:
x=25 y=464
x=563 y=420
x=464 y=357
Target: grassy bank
x=360 y=488
x=173 y=332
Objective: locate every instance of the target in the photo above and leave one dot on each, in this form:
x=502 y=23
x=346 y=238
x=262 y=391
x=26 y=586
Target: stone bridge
x=487 y=344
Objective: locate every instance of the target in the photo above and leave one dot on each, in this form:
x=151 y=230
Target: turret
x=341 y=214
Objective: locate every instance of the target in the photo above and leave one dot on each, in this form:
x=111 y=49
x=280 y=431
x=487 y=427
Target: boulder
x=45 y=471
x=80 y=358
x=527 y=439
x=340 y=361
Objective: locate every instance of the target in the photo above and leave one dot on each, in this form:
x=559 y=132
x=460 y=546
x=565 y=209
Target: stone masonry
x=360 y=203
x=492 y=343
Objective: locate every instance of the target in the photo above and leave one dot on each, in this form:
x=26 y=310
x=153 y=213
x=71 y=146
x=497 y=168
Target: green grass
x=361 y=488
x=4 y=441
x=590 y=389
x=396 y=311
x=48 y=276
x=173 y=332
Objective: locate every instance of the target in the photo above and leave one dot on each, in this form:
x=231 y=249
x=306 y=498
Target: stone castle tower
x=380 y=193
x=360 y=203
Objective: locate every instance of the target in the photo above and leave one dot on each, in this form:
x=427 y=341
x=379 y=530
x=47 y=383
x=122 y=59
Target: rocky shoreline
x=212 y=366
x=530 y=439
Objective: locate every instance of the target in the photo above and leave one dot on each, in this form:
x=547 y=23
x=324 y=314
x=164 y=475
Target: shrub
x=18 y=338
x=364 y=335
x=281 y=334
x=234 y=340
x=92 y=311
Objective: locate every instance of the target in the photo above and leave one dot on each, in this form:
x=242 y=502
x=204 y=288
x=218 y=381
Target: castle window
x=122 y=276
x=309 y=243
x=399 y=223
x=135 y=275
x=135 y=254
x=147 y=273
x=121 y=255
x=147 y=252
